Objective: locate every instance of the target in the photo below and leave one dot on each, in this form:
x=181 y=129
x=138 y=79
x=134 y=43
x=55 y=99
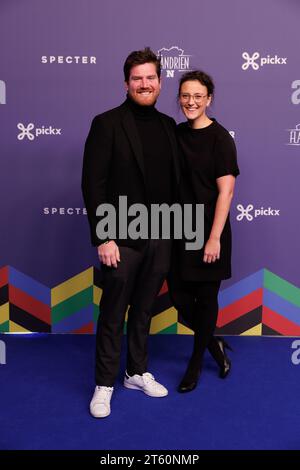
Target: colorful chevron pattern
x=261 y=304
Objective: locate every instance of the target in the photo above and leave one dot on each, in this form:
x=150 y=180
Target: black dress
x=208 y=154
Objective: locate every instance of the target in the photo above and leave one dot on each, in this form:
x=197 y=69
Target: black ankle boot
x=225 y=365
x=191 y=376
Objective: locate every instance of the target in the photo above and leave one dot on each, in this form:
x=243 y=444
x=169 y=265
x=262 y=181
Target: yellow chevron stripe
x=163 y=320
x=184 y=330
x=97 y=294
x=14 y=328
x=4 y=313
x=72 y=286
x=255 y=331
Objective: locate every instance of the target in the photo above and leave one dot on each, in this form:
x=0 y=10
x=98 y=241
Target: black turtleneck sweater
x=156 y=153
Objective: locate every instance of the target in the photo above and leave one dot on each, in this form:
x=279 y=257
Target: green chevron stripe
x=170 y=330
x=281 y=287
x=73 y=304
x=4 y=327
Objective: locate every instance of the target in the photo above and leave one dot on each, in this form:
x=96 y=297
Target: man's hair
x=202 y=77
x=141 y=57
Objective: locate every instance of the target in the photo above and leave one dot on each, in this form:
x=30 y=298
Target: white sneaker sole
x=99 y=416
x=136 y=387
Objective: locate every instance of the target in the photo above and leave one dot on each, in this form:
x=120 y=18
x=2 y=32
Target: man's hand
x=109 y=253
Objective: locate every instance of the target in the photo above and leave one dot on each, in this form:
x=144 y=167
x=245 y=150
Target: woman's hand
x=212 y=250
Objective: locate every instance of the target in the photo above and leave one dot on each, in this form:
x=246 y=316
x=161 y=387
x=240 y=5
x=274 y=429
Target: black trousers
x=136 y=282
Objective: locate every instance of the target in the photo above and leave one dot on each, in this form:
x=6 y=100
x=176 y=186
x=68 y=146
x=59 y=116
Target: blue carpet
x=47 y=383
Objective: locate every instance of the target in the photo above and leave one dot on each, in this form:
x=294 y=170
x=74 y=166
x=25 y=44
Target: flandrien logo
x=31 y=132
x=69 y=59
x=173 y=59
x=250 y=213
x=255 y=61
x=295 y=97
x=2 y=352
x=2 y=92
x=294 y=136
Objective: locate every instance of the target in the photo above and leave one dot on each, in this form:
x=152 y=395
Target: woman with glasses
x=209 y=172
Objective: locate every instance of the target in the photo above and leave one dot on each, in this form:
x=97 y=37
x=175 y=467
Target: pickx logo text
x=255 y=61
x=249 y=212
x=31 y=132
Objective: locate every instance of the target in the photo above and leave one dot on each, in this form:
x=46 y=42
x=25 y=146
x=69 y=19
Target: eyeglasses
x=185 y=97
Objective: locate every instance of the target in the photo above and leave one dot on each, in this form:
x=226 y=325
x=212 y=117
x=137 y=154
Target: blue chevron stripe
x=282 y=306
x=241 y=288
x=75 y=321
x=29 y=285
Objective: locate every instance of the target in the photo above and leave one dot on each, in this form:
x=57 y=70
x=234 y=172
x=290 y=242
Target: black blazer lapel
x=133 y=136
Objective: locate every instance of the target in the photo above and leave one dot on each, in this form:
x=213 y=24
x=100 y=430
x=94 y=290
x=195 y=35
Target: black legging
x=197 y=304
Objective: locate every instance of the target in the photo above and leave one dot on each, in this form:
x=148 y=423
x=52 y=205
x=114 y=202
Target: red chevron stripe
x=279 y=323
x=240 y=307
x=164 y=288
x=29 y=304
x=4 y=276
x=86 y=329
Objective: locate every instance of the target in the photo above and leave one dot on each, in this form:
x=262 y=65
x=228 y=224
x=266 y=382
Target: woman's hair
x=202 y=77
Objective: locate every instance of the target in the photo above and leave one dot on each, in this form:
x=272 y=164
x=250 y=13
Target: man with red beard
x=130 y=151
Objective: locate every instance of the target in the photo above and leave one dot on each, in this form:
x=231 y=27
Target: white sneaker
x=146 y=383
x=100 y=404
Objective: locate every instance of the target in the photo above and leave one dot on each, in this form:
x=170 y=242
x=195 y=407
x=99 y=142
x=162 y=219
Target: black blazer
x=113 y=164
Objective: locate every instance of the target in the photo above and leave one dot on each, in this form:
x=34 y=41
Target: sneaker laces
x=103 y=392
x=148 y=378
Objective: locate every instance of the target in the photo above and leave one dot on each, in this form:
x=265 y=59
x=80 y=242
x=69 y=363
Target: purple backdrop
x=259 y=103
